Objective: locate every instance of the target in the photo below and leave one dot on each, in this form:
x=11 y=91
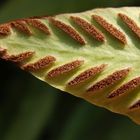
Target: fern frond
x=93 y=55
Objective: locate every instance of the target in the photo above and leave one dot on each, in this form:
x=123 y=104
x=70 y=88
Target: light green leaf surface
x=112 y=52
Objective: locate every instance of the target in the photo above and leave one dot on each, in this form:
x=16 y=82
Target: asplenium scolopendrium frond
x=94 y=55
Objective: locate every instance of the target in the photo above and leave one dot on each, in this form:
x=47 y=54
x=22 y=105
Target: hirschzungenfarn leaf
x=94 y=55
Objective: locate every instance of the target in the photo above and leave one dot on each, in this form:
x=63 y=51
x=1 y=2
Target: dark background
x=32 y=110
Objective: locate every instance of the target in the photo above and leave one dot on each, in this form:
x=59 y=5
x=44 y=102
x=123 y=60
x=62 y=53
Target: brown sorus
x=110 y=28
x=134 y=83
x=130 y=23
x=19 y=57
x=87 y=74
x=41 y=63
x=39 y=25
x=21 y=26
x=5 y=29
x=109 y=80
x=65 y=68
x=91 y=29
x=68 y=29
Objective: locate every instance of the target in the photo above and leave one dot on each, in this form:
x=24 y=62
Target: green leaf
x=93 y=55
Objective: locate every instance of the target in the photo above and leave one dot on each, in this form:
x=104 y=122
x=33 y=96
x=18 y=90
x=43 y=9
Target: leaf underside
x=93 y=55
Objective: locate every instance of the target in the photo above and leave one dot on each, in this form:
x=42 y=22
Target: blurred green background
x=32 y=110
